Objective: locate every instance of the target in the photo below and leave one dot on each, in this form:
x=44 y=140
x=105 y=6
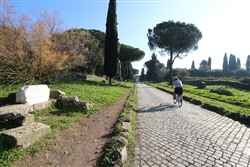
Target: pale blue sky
x=225 y=24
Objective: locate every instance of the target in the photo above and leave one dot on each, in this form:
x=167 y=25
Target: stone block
x=56 y=94
x=32 y=94
x=17 y=119
x=121 y=141
x=69 y=101
x=121 y=154
x=73 y=102
x=24 y=136
x=222 y=92
x=202 y=85
x=41 y=105
x=17 y=108
x=127 y=118
x=89 y=105
x=126 y=126
x=28 y=119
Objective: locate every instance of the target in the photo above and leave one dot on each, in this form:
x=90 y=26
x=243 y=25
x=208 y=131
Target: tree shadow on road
x=159 y=108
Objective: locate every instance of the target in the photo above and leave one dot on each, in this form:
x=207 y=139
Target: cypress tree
x=225 y=63
x=193 y=66
x=142 y=77
x=111 y=42
x=248 y=63
x=238 y=64
x=209 y=62
x=232 y=66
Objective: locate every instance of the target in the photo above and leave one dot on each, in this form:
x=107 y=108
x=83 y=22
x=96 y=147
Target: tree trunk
x=171 y=68
x=123 y=71
x=110 y=81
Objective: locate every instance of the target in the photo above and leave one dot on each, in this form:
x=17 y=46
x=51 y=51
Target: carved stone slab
x=32 y=94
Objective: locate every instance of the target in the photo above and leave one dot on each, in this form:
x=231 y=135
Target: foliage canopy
x=174 y=38
x=154 y=68
x=127 y=55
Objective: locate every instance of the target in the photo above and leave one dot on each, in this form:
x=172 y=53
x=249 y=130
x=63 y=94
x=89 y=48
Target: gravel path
x=186 y=136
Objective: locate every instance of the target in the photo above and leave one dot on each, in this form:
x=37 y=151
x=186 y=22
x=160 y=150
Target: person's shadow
x=159 y=108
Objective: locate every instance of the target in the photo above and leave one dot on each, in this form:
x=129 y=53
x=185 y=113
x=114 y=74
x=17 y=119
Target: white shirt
x=177 y=83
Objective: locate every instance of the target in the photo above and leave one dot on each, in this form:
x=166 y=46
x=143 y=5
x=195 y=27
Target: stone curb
x=121 y=152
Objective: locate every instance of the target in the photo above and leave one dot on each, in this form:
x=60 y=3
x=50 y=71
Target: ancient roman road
x=186 y=136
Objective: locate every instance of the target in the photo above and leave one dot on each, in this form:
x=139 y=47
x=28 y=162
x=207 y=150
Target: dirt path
x=83 y=144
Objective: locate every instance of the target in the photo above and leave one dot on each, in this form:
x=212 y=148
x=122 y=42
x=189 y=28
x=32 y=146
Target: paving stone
x=187 y=136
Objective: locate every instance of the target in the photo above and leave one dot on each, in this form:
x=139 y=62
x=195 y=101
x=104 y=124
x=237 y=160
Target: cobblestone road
x=186 y=136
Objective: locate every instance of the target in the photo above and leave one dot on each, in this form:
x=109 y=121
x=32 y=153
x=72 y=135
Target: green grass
x=4 y=92
x=237 y=103
x=239 y=97
x=93 y=91
x=59 y=120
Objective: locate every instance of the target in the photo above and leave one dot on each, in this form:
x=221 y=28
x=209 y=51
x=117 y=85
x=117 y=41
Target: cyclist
x=178 y=87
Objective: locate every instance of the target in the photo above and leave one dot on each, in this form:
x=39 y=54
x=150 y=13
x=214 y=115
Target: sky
x=224 y=24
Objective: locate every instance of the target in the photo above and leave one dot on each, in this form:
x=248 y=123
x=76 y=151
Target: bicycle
x=179 y=99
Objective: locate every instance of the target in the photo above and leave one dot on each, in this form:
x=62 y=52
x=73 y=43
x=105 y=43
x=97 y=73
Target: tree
x=238 y=63
x=168 y=65
x=232 y=66
x=204 y=66
x=193 y=66
x=181 y=72
x=175 y=39
x=100 y=36
x=52 y=21
x=248 y=64
x=127 y=55
x=111 y=42
x=76 y=43
x=225 y=63
x=209 y=62
x=153 y=68
x=94 y=56
x=30 y=44
x=135 y=71
x=130 y=71
x=142 y=77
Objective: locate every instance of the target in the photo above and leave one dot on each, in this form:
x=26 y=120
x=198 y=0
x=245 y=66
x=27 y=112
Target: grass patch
x=101 y=94
x=5 y=91
x=237 y=103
